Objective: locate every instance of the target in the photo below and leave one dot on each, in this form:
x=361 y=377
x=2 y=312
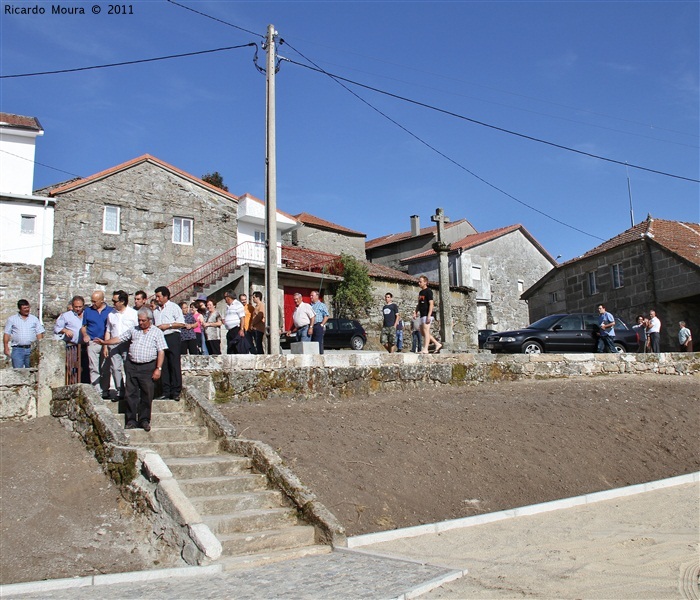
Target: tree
x=351 y=296
x=216 y=179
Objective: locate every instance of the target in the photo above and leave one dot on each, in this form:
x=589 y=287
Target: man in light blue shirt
x=606 y=322
x=69 y=323
x=21 y=331
x=322 y=315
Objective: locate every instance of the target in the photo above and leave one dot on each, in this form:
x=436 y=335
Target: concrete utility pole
x=271 y=282
x=442 y=248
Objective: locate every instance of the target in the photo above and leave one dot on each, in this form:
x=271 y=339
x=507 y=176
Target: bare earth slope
x=377 y=462
x=405 y=459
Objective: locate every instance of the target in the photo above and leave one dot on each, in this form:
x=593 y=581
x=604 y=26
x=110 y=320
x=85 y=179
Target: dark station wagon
x=340 y=333
x=561 y=334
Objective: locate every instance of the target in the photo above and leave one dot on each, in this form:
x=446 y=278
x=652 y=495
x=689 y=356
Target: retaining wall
x=254 y=378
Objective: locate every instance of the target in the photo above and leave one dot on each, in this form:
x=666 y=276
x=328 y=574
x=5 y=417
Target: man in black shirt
x=390 y=313
x=424 y=310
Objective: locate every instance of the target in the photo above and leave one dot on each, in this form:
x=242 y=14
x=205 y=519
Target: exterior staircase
x=255 y=524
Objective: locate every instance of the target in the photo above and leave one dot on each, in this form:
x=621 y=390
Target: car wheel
x=357 y=343
x=620 y=348
x=532 y=347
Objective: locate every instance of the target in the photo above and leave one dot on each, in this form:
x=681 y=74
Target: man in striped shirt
x=143 y=367
x=20 y=331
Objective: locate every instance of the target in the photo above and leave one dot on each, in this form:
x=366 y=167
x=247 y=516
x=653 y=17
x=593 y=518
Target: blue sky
x=615 y=79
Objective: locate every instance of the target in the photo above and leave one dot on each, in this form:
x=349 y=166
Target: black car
x=561 y=333
x=484 y=334
x=340 y=333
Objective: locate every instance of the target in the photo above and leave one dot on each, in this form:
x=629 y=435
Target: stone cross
x=442 y=248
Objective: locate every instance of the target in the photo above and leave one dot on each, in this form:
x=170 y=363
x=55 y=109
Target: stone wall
x=18 y=281
x=239 y=378
x=323 y=240
x=143 y=255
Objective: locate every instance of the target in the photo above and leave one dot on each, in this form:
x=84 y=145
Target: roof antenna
x=629 y=192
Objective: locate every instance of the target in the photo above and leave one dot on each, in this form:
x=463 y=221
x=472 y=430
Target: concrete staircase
x=255 y=524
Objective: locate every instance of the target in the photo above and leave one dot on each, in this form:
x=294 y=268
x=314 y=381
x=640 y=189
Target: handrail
x=218 y=267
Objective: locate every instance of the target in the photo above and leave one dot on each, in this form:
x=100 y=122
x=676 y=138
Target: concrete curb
x=533 y=509
x=33 y=587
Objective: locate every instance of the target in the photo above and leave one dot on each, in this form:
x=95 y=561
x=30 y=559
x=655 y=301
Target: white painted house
x=26 y=221
x=251 y=230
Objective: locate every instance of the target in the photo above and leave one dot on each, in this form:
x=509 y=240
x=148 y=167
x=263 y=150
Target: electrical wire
x=128 y=62
x=216 y=19
x=482 y=123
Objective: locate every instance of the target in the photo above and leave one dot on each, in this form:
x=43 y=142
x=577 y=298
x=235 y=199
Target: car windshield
x=545 y=323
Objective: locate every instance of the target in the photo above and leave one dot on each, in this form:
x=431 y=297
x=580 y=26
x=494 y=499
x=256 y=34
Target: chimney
x=415 y=225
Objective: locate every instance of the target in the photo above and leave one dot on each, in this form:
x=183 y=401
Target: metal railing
x=219 y=267
x=73 y=364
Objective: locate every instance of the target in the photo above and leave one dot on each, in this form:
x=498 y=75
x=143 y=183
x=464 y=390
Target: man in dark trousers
x=169 y=319
x=144 y=365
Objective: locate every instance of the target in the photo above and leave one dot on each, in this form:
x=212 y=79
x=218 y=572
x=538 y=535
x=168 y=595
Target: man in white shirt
x=654 y=332
x=233 y=319
x=302 y=320
x=169 y=319
x=122 y=319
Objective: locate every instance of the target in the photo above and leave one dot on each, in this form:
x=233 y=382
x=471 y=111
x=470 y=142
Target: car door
x=566 y=335
x=330 y=337
x=591 y=330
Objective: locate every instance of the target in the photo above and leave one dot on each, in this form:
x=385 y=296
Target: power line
x=483 y=124
x=454 y=162
x=128 y=62
x=216 y=19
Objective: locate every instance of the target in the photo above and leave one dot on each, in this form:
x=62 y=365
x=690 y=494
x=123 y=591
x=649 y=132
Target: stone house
x=391 y=249
x=26 y=220
x=321 y=235
x=653 y=265
x=137 y=225
x=499 y=264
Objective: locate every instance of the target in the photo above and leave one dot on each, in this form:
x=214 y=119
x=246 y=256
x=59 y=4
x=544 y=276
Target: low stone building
x=391 y=249
x=135 y=226
x=653 y=265
x=318 y=234
x=499 y=264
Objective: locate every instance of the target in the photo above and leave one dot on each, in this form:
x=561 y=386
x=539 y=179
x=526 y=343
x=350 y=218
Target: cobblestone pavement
x=337 y=575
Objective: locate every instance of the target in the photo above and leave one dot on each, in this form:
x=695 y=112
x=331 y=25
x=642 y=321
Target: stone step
x=182 y=449
x=208 y=466
x=174 y=419
x=219 y=505
x=252 y=520
x=248 y=561
x=267 y=540
x=158 y=406
x=160 y=434
x=222 y=486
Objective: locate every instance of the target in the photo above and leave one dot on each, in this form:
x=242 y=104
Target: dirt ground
x=398 y=460
x=61 y=515
x=379 y=462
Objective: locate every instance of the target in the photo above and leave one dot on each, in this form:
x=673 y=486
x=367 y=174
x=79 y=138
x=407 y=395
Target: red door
x=289 y=305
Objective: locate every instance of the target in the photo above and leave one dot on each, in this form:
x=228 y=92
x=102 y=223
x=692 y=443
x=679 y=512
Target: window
x=592 y=283
x=182 y=230
x=553 y=297
x=521 y=286
x=259 y=237
x=617 y=277
x=110 y=219
x=570 y=323
x=27 y=224
x=476 y=273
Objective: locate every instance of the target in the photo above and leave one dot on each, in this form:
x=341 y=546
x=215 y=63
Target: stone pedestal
x=304 y=348
x=51 y=372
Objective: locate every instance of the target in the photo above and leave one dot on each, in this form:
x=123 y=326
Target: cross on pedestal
x=442 y=248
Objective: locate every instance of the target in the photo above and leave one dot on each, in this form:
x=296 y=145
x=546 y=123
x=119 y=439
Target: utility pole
x=442 y=248
x=271 y=282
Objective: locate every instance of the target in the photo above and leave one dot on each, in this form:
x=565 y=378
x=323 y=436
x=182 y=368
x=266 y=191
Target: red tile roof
x=20 y=122
x=398 y=237
x=130 y=163
x=682 y=239
x=314 y=221
x=476 y=239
